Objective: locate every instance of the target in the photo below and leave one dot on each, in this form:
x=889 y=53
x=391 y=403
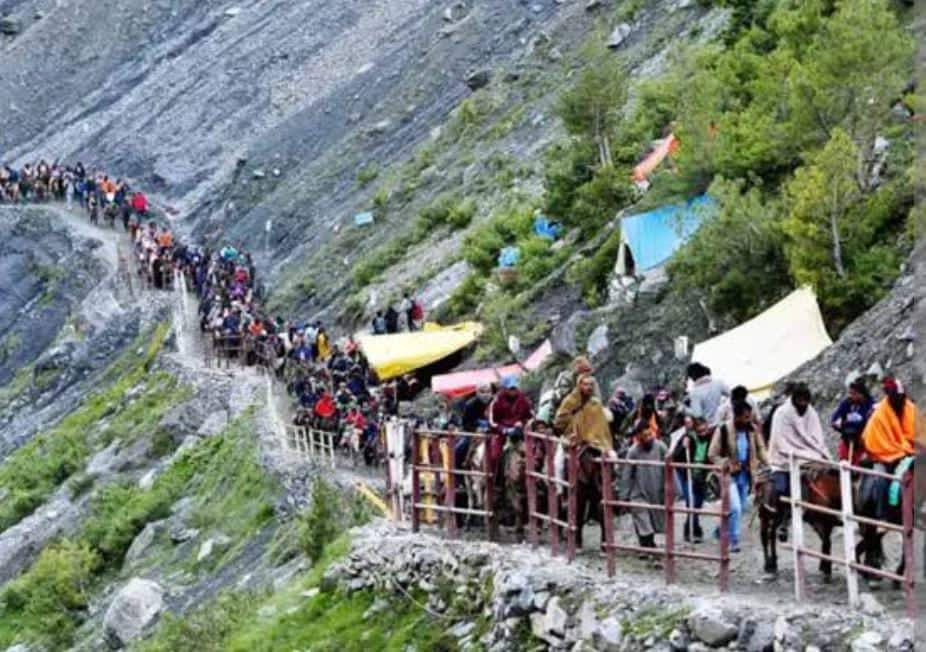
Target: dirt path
x=249 y=387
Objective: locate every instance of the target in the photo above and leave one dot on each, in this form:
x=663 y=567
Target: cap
x=510 y=382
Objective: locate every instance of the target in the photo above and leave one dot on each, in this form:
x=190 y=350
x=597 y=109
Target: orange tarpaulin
x=666 y=147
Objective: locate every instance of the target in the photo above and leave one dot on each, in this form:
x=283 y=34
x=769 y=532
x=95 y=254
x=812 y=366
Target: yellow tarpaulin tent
x=765 y=349
x=400 y=353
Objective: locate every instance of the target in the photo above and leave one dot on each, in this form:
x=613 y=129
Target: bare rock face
x=10 y=26
x=136 y=607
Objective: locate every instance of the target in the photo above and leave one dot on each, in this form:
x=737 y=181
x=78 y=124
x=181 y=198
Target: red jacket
x=507 y=410
x=325 y=407
x=139 y=203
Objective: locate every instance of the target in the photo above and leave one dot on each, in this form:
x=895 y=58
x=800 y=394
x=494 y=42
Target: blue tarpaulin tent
x=653 y=237
x=363 y=219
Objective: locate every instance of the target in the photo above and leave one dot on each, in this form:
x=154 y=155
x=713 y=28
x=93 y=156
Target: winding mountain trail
x=241 y=387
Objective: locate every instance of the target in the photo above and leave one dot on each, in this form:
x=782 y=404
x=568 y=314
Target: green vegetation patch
x=223 y=474
x=302 y=617
x=35 y=470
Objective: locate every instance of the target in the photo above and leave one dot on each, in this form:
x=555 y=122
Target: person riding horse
x=888 y=440
x=583 y=420
x=796 y=429
x=509 y=414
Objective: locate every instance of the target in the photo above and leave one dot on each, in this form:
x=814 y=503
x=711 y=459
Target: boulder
x=708 y=624
x=103 y=462
x=136 y=607
x=610 y=635
x=554 y=621
x=756 y=636
x=619 y=35
x=588 y=621
x=598 y=341
x=477 y=79
x=142 y=543
x=870 y=605
x=211 y=545
x=10 y=26
x=869 y=641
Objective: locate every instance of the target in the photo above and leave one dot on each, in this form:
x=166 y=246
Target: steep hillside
x=297 y=116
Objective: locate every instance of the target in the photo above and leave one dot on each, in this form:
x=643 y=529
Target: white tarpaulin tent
x=765 y=349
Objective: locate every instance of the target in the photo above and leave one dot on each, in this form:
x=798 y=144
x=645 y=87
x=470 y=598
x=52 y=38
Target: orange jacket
x=887 y=438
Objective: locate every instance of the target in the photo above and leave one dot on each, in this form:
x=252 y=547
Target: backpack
x=417 y=311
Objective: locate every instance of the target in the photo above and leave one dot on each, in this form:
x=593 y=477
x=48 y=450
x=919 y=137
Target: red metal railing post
x=449 y=488
x=669 y=562
x=552 y=496
x=607 y=512
x=723 y=578
x=573 y=508
x=907 y=505
x=416 y=483
x=489 y=470
x=531 y=488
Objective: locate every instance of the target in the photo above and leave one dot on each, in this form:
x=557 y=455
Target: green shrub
x=49 y=600
x=736 y=256
x=446 y=210
x=231 y=492
x=367 y=175
x=319 y=524
x=36 y=469
x=464 y=299
x=506 y=227
x=381 y=200
x=593 y=274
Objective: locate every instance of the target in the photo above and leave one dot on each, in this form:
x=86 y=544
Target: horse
x=474 y=486
x=818 y=487
x=872 y=503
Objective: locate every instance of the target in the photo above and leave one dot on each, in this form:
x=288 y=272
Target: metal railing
x=553 y=485
x=668 y=552
x=848 y=519
x=434 y=481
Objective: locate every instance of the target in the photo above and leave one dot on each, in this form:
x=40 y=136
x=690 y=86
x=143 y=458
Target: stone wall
x=512 y=597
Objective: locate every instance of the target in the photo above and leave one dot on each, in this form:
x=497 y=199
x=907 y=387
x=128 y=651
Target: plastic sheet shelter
x=464 y=383
x=650 y=239
x=394 y=355
x=765 y=349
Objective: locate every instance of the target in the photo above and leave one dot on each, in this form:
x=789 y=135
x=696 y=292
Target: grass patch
x=653 y=621
x=367 y=175
x=447 y=210
x=35 y=470
x=9 y=346
x=47 y=604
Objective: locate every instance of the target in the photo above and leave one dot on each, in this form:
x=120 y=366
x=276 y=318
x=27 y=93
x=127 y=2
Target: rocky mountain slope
x=146 y=501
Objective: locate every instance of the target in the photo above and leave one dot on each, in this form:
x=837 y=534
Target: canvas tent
x=765 y=349
x=464 y=383
x=401 y=353
x=649 y=239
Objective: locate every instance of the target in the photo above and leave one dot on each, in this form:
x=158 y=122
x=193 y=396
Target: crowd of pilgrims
x=102 y=196
x=335 y=389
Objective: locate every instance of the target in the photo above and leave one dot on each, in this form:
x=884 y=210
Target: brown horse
x=819 y=486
